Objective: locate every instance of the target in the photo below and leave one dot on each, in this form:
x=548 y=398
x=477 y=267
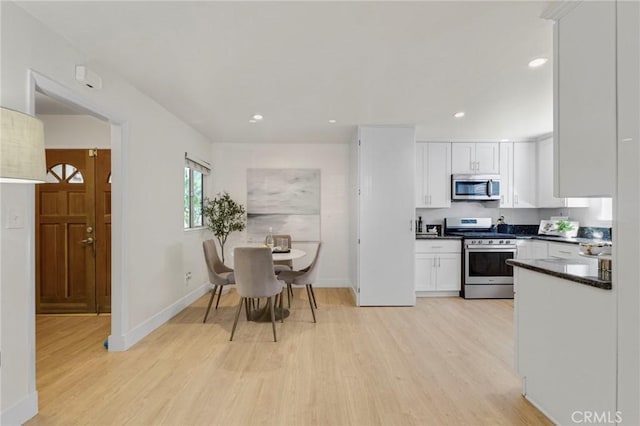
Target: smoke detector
x=87 y=77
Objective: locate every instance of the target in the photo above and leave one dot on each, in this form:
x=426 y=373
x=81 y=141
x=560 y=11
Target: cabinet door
x=531 y=249
x=425 y=272
x=522 y=250
x=539 y=250
x=524 y=175
x=386 y=212
x=421 y=176
x=487 y=158
x=463 y=157
x=545 y=176
x=585 y=100
x=438 y=174
x=448 y=272
x=506 y=174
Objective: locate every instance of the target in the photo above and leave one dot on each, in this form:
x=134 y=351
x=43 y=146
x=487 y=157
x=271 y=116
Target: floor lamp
x=22 y=154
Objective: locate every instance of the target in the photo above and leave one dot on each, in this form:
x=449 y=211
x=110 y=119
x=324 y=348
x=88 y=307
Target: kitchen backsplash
x=587 y=217
x=479 y=209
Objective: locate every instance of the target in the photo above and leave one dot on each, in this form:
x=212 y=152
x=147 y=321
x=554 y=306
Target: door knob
x=88 y=241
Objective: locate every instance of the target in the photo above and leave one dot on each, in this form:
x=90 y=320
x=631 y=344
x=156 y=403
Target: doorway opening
x=73 y=212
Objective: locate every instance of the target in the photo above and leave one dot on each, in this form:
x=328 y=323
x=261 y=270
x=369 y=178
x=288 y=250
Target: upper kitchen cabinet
x=545 y=180
x=475 y=158
x=524 y=175
x=517 y=175
x=506 y=174
x=584 y=98
x=433 y=174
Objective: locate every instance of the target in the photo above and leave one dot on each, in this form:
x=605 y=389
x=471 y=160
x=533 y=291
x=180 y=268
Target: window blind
x=202 y=166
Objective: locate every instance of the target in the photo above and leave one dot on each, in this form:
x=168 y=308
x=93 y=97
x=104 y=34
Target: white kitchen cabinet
x=563 y=250
x=545 y=180
x=531 y=249
x=506 y=174
x=433 y=174
x=475 y=158
x=438 y=267
x=524 y=175
x=384 y=158
x=585 y=99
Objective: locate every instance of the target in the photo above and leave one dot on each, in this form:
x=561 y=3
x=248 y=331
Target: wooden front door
x=67 y=244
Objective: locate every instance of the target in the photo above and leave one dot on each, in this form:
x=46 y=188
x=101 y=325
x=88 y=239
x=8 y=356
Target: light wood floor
x=444 y=362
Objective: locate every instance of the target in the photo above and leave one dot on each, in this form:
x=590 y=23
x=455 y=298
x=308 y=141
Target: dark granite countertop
x=446 y=237
x=577 y=270
x=561 y=239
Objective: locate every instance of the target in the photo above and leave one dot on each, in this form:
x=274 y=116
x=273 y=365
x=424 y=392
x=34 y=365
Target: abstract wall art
x=287 y=200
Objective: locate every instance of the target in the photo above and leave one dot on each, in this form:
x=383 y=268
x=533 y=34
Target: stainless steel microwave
x=475 y=187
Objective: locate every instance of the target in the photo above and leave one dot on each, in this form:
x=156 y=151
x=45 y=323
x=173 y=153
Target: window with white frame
x=195 y=172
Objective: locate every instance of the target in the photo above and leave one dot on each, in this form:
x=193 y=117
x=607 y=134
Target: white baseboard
x=21 y=411
x=438 y=293
x=542 y=410
x=133 y=336
x=332 y=283
x=354 y=295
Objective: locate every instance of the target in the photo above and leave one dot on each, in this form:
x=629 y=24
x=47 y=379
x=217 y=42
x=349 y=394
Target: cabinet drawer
x=438 y=246
x=566 y=251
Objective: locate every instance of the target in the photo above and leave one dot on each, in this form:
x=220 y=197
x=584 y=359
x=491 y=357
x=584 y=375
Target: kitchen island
x=565 y=333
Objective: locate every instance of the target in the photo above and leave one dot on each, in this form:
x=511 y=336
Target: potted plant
x=563 y=227
x=223 y=216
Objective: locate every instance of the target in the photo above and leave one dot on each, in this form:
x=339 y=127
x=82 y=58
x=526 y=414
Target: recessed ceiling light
x=459 y=114
x=257 y=117
x=252 y=121
x=538 y=62
x=504 y=140
x=332 y=121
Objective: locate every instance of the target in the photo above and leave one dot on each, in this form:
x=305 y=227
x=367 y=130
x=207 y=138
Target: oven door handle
x=496 y=249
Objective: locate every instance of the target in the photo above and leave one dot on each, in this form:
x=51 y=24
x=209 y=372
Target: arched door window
x=64 y=173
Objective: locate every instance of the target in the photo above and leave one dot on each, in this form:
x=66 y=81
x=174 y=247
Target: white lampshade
x=22 y=155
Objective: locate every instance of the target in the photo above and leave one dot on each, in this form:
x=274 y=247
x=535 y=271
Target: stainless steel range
x=485 y=273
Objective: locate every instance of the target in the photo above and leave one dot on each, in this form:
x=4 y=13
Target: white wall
x=230 y=164
x=75 y=131
x=148 y=192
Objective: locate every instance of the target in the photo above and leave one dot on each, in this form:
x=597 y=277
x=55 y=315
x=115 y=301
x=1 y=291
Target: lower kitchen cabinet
x=438 y=268
x=564 y=251
x=531 y=249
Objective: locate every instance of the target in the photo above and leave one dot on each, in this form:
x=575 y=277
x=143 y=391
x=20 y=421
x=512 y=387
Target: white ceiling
x=214 y=64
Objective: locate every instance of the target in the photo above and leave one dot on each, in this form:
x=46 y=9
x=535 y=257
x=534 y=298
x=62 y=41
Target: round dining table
x=288 y=255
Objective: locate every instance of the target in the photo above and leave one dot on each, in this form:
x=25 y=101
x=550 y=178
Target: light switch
x=15 y=217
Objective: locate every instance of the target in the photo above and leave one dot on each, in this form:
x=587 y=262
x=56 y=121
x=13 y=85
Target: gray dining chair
x=283 y=265
x=304 y=277
x=255 y=278
x=219 y=274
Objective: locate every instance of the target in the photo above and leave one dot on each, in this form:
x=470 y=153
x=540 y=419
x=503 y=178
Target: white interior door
x=387 y=213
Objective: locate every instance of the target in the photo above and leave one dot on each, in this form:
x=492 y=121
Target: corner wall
x=148 y=174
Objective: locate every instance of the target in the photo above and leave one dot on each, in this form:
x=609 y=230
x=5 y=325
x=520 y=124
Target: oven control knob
x=490 y=241
x=501 y=242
